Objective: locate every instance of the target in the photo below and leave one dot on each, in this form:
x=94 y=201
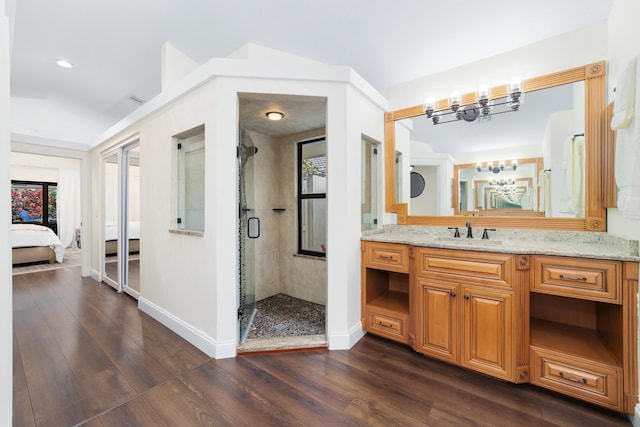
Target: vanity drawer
x=584 y=379
x=592 y=279
x=388 y=256
x=391 y=325
x=493 y=268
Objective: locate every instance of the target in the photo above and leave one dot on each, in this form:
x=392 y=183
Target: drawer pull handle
x=577 y=279
x=386 y=325
x=575 y=380
x=385 y=256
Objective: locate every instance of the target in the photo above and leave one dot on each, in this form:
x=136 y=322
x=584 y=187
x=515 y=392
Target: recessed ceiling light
x=274 y=115
x=64 y=63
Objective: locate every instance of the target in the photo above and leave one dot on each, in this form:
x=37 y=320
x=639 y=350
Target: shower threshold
x=282 y=322
x=283 y=344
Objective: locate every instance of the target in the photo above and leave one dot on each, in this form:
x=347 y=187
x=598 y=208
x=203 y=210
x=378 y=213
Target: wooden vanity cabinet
x=466 y=305
x=583 y=329
x=385 y=290
x=564 y=323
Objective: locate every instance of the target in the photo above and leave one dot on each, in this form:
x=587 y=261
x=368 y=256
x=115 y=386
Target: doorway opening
x=282 y=289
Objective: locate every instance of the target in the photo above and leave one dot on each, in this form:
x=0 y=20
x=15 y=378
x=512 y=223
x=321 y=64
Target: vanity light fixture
x=64 y=63
x=502 y=182
x=484 y=105
x=497 y=169
x=274 y=115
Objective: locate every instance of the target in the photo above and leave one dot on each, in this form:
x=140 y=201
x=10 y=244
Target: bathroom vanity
x=555 y=309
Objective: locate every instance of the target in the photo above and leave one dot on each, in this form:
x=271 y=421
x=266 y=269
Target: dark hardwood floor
x=85 y=355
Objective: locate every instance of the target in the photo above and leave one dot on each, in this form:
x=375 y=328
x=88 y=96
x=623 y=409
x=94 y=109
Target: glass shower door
x=248 y=232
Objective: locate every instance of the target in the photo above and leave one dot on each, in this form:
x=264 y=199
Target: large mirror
x=553 y=140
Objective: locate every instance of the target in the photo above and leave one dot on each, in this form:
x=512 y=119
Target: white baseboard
x=132 y=293
x=347 y=340
x=95 y=275
x=196 y=337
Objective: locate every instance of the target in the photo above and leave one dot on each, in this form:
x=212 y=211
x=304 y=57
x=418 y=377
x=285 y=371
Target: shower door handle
x=253 y=227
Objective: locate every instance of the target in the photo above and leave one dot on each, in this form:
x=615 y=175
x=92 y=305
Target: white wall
x=6 y=325
x=361 y=116
x=178 y=271
x=623 y=43
x=190 y=282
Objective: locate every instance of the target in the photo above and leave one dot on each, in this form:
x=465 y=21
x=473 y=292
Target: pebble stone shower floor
x=285 y=316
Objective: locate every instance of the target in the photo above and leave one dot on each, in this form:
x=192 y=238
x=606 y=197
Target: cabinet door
x=487 y=331
x=437 y=325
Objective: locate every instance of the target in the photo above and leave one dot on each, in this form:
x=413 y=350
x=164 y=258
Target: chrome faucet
x=469 y=230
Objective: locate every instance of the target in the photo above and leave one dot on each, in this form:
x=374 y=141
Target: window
x=190 y=193
x=312 y=197
x=369 y=185
x=35 y=202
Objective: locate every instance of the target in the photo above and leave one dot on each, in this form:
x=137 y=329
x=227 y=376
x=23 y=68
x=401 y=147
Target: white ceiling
x=115 y=45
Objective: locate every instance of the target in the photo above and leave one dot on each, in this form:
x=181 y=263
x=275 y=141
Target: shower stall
x=281 y=291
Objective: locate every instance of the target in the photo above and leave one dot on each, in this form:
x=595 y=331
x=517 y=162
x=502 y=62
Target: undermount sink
x=468 y=242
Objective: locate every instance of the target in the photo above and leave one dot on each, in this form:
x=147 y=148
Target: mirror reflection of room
x=544 y=137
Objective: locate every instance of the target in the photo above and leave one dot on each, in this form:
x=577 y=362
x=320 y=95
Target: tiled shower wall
x=278 y=269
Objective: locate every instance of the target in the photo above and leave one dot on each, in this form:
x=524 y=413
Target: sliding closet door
x=131 y=275
x=121 y=209
x=111 y=213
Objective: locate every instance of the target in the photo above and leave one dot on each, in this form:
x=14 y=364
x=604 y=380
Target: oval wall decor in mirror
x=417 y=184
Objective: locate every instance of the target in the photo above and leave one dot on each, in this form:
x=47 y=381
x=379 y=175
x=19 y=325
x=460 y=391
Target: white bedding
x=111 y=231
x=27 y=235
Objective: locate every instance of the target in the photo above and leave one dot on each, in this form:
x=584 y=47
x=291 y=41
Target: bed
x=35 y=243
x=111 y=238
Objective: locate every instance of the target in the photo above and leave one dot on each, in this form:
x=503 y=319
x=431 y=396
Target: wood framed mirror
x=594 y=216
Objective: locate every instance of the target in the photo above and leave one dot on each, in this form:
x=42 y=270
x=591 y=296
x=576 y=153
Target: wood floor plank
x=137 y=412
x=22 y=411
x=86 y=354
x=141 y=369
x=105 y=315
x=303 y=381
x=175 y=404
x=337 y=379
x=277 y=397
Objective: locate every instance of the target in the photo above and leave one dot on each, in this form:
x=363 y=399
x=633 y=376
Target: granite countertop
x=583 y=244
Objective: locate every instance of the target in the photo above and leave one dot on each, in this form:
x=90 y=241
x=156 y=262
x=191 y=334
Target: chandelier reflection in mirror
x=502 y=182
x=497 y=169
x=482 y=108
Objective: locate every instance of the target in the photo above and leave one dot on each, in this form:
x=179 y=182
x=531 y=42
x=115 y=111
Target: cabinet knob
x=466 y=297
x=453 y=294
